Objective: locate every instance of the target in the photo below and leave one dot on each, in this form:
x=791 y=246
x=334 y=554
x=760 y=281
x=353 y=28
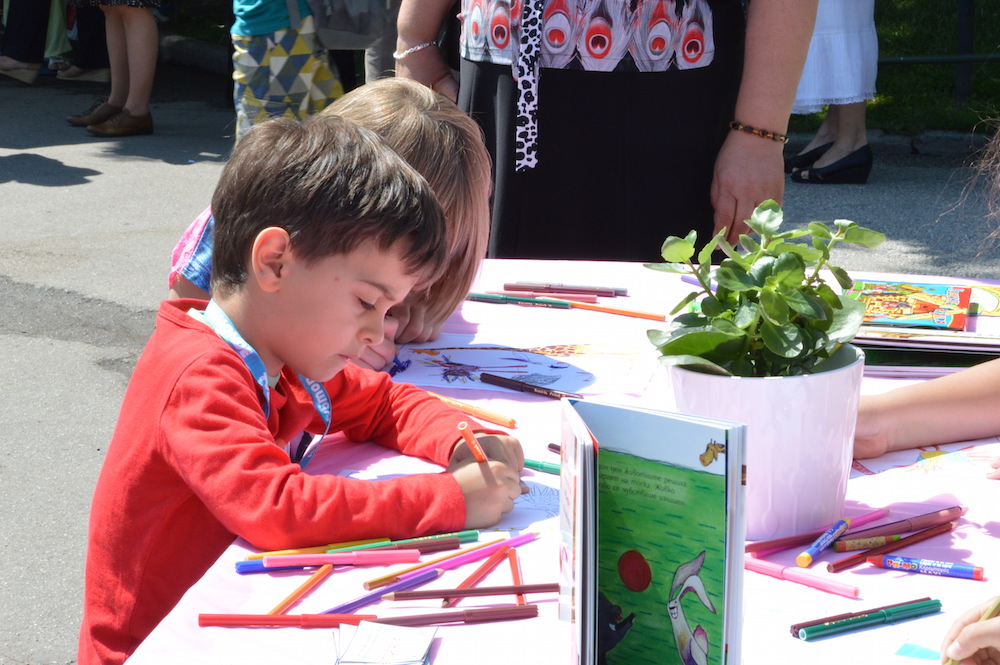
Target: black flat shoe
x=806 y=158
x=851 y=170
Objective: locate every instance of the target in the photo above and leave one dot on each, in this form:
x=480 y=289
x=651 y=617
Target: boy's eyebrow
x=386 y=291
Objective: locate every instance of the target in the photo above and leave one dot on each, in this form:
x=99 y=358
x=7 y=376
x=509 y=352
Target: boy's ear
x=269 y=255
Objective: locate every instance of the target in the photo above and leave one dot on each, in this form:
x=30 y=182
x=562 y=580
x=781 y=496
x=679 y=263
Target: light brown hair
x=445 y=146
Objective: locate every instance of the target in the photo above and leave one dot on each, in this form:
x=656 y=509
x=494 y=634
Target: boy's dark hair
x=334 y=186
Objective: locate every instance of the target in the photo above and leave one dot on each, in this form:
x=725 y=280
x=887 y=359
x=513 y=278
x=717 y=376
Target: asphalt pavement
x=86 y=230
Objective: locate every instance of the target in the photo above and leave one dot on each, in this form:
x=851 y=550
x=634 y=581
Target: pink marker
x=357 y=558
x=793 y=574
x=476 y=554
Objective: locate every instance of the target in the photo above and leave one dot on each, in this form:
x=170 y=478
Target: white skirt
x=843 y=56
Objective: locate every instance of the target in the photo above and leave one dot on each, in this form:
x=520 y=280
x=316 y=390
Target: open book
x=651 y=535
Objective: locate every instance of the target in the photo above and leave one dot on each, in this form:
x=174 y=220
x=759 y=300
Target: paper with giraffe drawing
x=651 y=535
x=585 y=367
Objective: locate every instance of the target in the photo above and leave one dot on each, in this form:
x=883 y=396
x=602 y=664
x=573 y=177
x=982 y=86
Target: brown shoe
x=100 y=112
x=123 y=124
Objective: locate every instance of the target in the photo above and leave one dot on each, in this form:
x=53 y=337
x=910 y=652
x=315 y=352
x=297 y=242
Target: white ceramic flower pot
x=800 y=439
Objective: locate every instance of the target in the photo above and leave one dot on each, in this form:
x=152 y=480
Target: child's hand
x=491 y=487
x=498 y=448
x=971 y=641
x=379 y=355
x=414 y=323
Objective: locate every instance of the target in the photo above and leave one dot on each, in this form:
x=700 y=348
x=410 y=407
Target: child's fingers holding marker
x=489 y=490
x=973 y=639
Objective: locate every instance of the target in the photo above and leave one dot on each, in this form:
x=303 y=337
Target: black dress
x=144 y=4
x=624 y=157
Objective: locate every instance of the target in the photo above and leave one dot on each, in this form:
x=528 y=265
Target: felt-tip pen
x=887 y=615
x=514 y=384
x=515 y=300
x=547 y=467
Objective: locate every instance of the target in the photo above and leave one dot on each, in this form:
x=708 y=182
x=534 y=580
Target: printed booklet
x=651 y=535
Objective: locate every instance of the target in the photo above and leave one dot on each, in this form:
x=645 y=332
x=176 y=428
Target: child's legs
x=284 y=74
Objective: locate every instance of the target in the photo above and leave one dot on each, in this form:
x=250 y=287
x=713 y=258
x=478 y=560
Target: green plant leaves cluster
x=766 y=309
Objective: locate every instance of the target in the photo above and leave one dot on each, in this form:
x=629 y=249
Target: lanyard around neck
x=218 y=321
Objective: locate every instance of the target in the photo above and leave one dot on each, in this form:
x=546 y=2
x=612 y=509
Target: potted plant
x=767 y=343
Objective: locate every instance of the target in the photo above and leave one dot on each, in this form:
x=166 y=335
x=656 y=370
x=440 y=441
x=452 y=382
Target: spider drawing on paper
x=452 y=371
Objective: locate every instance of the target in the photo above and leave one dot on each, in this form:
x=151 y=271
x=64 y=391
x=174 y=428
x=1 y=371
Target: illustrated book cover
x=944 y=306
x=651 y=536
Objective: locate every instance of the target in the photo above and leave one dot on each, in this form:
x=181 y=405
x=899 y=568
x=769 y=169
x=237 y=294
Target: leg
x=24 y=39
x=114 y=28
x=845 y=127
x=142 y=47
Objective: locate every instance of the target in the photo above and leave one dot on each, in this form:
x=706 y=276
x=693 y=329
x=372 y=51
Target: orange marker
x=478 y=412
x=470 y=438
x=305 y=588
x=515 y=571
x=576 y=304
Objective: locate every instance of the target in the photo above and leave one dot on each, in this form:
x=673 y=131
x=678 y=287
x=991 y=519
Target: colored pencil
x=515 y=573
x=425 y=546
x=303 y=589
x=987 y=614
x=478 y=412
x=282 y=620
x=608 y=291
x=473 y=442
x=467 y=536
x=423 y=594
x=582 y=297
x=856 y=559
x=464 y=616
x=478 y=574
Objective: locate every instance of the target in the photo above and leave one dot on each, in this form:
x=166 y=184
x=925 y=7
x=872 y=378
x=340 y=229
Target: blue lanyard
x=218 y=321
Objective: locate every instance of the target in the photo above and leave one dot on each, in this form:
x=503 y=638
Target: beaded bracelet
x=412 y=49
x=763 y=133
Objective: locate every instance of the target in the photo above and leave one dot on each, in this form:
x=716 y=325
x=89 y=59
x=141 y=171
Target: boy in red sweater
x=320 y=229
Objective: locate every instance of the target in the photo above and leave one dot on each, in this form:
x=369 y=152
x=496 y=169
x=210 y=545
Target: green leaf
x=804 y=304
x=843 y=279
x=735 y=280
x=746 y=315
x=766 y=219
x=790 y=270
x=859 y=235
x=694 y=364
x=668 y=267
x=711 y=307
x=679 y=250
x=684 y=302
x=820 y=230
x=784 y=341
x=829 y=296
x=810 y=254
x=697 y=342
x=774 y=307
x=847 y=320
x=705 y=255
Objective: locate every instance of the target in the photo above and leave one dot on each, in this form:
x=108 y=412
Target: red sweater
x=193 y=464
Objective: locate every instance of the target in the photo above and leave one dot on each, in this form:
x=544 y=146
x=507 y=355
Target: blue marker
x=806 y=558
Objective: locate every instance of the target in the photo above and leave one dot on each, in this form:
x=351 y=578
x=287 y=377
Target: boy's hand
x=379 y=355
x=870 y=436
x=971 y=641
x=995 y=473
x=498 y=448
x=490 y=487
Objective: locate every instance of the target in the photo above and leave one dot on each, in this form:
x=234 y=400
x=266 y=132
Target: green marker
x=547 y=467
x=887 y=615
x=468 y=536
x=518 y=300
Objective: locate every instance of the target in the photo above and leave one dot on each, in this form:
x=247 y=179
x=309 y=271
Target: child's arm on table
x=958 y=407
x=970 y=641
